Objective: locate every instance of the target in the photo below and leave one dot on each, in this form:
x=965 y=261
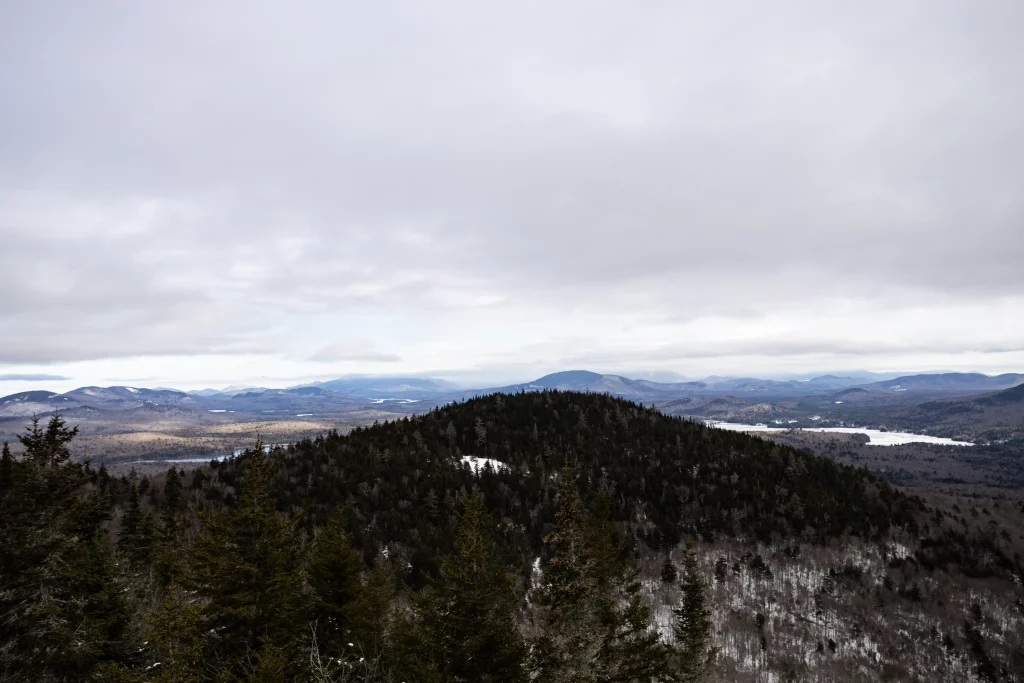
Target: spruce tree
x=172 y=503
x=173 y=632
x=377 y=610
x=594 y=625
x=61 y=610
x=669 y=573
x=246 y=567
x=463 y=625
x=692 y=627
x=137 y=532
x=334 y=576
x=6 y=469
x=48 y=447
x=167 y=553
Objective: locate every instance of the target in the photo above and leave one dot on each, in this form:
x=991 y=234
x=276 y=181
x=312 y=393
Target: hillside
x=992 y=417
x=799 y=539
x=763 y=511
x=685 y=478
x=814 y=570
x=950 y=383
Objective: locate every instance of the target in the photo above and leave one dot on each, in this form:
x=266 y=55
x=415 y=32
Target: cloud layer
x=31 y=377
x=335 y=187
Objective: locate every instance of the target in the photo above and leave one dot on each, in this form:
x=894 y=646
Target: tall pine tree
x=594 y=624
x=167 y=555
x=61 y=610
x=692 y=627
x=464 y=623
x=334 y=576
x=245 y=566
x=137 y=532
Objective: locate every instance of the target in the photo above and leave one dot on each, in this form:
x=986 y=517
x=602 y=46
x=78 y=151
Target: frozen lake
x=267 y=447
x=875 y=436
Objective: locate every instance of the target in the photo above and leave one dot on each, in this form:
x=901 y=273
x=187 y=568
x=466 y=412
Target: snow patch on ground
x=476 y=464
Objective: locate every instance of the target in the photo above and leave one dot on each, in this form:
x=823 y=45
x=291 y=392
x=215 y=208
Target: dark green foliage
x=61 y=611
x=669 y=573
x=173 y=503
x=397 y=481
x=138 y=533
x=463 y=625
x=334 y=576
x=692 y=627
x=594 y=626
x=167 y=558
x=298 y=558
x=6 y=469
x=246 y=567
x=176 y=640
x=48 y=447
x=721 y=569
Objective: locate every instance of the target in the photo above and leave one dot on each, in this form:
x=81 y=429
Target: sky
x=224 y=192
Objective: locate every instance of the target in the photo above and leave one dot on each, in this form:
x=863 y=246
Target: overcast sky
x=209 y=193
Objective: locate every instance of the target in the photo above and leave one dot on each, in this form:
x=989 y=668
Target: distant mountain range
x=346 y=394
x=387 y=387
x=750 y=387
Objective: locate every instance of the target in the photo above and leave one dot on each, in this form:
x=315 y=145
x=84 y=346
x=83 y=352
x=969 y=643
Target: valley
x=127 y=427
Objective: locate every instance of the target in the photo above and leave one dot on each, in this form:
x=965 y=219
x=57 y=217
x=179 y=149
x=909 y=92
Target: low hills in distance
x=122 y=424
x=372 y=389
x=905 y=402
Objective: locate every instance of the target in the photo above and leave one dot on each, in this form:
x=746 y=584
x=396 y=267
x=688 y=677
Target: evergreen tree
x=692 y=626
x=48 y=447
x=172 y=504
x=245 y=566
x=137 y=532
x=334 y=576
x=6 y=469
x=61 y=609
x=377 y=612
x=669 y=573
x=594 y=626
x=463 y=625
x=167 y=553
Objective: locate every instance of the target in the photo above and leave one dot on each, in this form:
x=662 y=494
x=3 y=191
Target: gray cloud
x=30 y=377
x=784 y=348
x=353 y=349
x=221 y=177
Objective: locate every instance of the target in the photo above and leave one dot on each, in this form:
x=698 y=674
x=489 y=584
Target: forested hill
x=670 y=478
x=383 y=555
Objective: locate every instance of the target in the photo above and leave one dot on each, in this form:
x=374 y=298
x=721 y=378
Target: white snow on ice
x=875 y=436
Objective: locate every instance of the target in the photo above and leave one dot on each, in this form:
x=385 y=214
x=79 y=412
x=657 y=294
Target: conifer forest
x=546 y=536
